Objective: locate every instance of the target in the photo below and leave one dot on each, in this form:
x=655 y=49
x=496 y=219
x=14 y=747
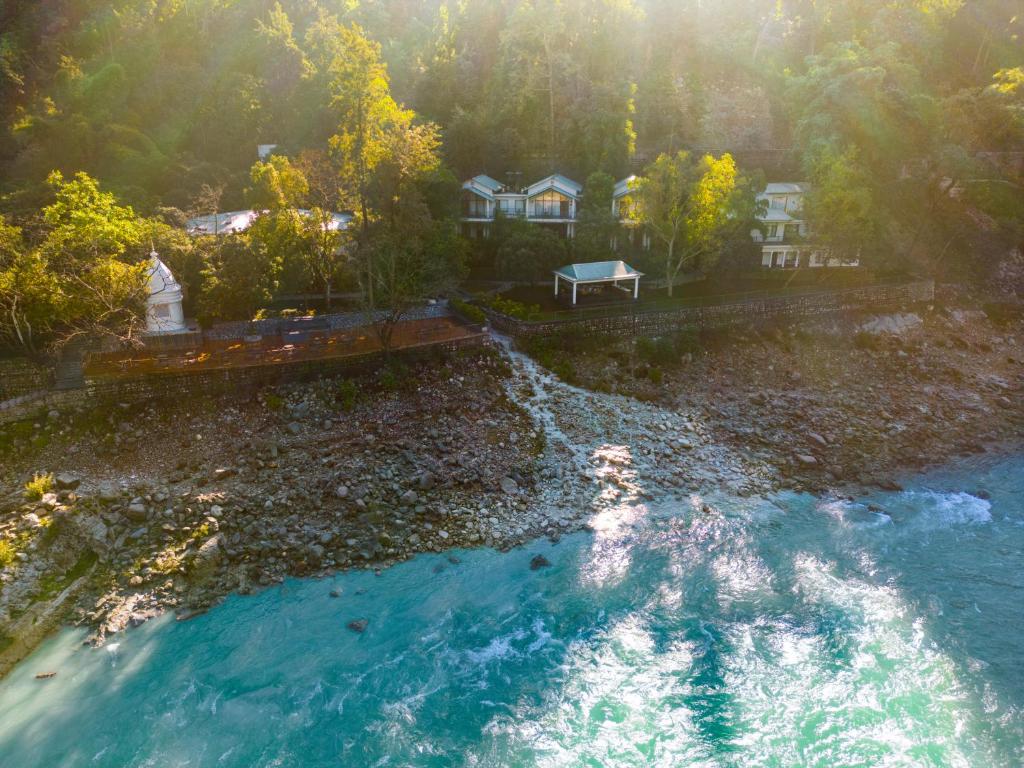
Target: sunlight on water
x=714 y=632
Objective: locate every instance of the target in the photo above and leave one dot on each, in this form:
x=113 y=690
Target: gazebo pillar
x=574 y=294
x=556 y=285
x=636 y=288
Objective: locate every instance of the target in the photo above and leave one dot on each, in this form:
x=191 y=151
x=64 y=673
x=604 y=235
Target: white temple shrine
x=164 y=313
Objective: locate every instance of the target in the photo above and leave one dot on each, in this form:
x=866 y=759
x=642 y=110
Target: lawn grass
x=717 y=289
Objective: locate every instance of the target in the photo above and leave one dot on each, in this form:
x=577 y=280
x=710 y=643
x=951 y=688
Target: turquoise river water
x=791 y=631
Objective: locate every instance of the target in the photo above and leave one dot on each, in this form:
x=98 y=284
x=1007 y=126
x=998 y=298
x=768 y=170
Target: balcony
x=547 y=215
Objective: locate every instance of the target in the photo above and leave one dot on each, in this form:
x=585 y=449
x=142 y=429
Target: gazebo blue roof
x=597 y=272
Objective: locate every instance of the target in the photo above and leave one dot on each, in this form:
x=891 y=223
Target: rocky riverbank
x=174 y=505
x=818 y=404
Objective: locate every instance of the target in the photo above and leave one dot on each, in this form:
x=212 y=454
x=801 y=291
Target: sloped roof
x=239 y=221
x=786 y=188
x=597 y=271
x=555 y=181
x=484 y=180
x=622 y=187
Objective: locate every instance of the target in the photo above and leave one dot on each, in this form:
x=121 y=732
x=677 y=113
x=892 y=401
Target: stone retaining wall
x=19 y=377
x=722 y=315
x=184 y=385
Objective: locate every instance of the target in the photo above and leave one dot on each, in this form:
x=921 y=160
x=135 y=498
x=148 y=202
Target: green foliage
x=469 y=311
x=41 y=483
x=666 y=351
x=348 y=393
x=527 y=251
x=511 y=307
x=689 y=205
x=276 y=185
x=6 y=553
x=394 y=376
x=240 y=276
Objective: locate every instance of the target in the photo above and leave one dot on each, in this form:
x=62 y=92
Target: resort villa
x=785 y=243
x=552 y=202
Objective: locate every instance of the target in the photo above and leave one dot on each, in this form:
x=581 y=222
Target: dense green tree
x=597 y=226
x=687 y=205
x=528 y=251
x=240 y=277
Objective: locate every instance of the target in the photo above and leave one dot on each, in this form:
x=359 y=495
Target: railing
x=542 y=215
x=770 y=300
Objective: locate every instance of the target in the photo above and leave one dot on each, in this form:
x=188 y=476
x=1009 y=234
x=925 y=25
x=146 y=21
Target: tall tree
x=687 y=205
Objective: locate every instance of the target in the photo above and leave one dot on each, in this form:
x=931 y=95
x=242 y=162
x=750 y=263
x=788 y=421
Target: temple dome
x=164 y=312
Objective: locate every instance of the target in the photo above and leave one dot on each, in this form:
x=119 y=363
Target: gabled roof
x=483 y=185
x=597 y=271
x=487 y=182
x=622 y=187
x=558 y=182
x=786 y=188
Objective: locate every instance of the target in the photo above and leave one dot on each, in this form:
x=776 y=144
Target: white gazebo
x=596 y=272
x=164 y=313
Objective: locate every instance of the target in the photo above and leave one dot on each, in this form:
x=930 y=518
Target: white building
x=234 y=222
x=164 y=313
x=786 y=240
x=552 y=202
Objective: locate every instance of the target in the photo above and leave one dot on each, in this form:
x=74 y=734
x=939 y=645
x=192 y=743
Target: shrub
x=39 y=484
x=348 y=391
x=687 y=341
x=6 y=553
x=660 y=351
x=274 y=401
x=655 y=375
x=469 y=311
x=393 y=376
x=865 y=340
x=512 y=308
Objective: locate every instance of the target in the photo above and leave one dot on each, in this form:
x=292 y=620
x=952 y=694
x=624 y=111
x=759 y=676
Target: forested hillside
x=907 y=116
x=156 y=98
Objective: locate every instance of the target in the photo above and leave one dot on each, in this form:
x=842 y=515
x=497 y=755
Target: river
x=724 y=632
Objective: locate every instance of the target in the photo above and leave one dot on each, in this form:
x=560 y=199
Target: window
x=550 y=205
x=514 y=207
x=473 y=206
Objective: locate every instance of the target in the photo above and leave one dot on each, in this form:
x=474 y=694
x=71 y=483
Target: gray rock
x=814 y=437
x=209 y=554
x=137 y=512
x=508 y=485
x=294 y=427
x=539 y=561
x=426 y=481
x=341 y=491
x=109 y=493
x=67 y=482
x=358 y=625
x=409 y=497
x=806 y=459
